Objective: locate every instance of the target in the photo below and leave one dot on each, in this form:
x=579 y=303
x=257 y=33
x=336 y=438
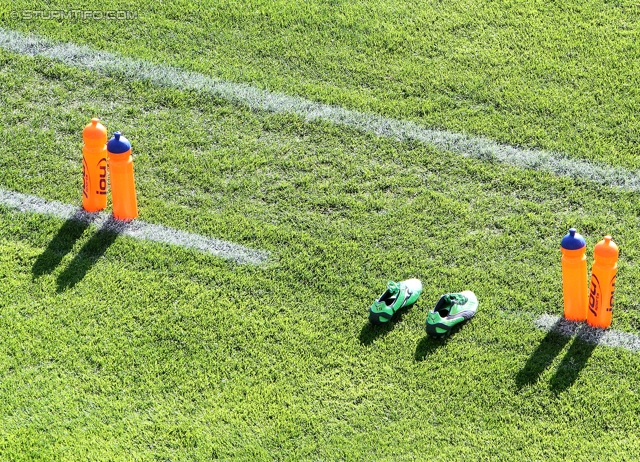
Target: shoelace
x=457 y=299
x=393 y=287
x=447 y=301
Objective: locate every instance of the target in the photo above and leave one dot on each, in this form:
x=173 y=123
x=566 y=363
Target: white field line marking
x=465 y=145
x=586 y=333
x=136 y=228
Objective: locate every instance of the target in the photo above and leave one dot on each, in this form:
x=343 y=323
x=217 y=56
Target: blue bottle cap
x=118 y=144
x=573 y=241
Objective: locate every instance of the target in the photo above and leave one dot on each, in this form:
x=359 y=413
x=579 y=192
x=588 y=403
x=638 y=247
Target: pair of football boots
x=451 y=310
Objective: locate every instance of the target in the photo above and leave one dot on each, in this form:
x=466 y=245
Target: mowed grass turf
x=560 y=76
x=113 y=348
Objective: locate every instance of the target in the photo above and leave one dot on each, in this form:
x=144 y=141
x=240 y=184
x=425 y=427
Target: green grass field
x=119 y=349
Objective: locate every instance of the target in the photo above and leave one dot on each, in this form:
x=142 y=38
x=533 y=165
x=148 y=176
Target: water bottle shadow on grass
x=585 y=340
x=575 y=360
x=62 y=243
x=546 y=352
x=90 y=253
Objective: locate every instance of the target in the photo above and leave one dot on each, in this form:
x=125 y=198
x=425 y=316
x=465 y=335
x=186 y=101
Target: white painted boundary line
x=136 y=229
x=468 y=146
x=586 y=333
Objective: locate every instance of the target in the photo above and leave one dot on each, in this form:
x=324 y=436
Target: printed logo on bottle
x=613 y=289
x=595 y=294
x=102 y=166
x=86 y=180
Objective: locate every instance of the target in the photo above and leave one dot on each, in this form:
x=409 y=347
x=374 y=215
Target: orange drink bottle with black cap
x=123 y=188
x=603 y=283
x=574 y=276
x=94 y=166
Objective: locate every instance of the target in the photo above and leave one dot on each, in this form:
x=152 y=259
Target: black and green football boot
x=397 y=296
x=451 y=310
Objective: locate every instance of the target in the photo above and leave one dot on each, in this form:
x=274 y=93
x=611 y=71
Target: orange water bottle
x=574 y=276
x=94 y=166
x=123 y=188
x=603 y=283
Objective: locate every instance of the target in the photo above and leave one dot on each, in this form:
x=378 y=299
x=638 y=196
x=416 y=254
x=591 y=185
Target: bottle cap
x=573 y=241
x=118 y=144
x=95 y=131
x=606 y=248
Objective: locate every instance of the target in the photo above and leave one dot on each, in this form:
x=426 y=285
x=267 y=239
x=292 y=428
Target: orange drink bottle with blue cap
x=574 y=276
x=123 y=188
x=94 y=166
x=603 y=283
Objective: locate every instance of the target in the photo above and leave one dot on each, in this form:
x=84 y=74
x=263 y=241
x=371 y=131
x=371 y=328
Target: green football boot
x=397 y=296
x=451 y=310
